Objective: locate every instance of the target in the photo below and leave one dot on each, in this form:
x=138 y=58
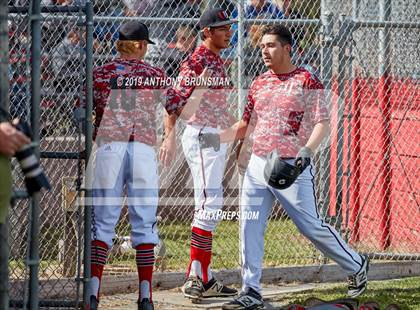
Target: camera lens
x=35 y=179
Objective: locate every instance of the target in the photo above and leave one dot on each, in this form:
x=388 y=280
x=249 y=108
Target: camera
x=35 y=179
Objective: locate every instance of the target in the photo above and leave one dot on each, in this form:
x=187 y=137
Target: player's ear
x=206 y=32
x=141 y=44
x=289 y=49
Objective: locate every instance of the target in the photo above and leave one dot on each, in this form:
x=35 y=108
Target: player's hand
x=207 y=140
x=11 y=139
x=167 y=150
x=303 y=158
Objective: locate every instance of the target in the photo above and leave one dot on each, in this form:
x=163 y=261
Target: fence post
x=326 y=74
x=88 y=145
x=33 y=259
x=353 y=134
x=240 y=53
x=341 y=102
x=385 y=130
x=4 y=103
x=355 y=159
x=241 y=103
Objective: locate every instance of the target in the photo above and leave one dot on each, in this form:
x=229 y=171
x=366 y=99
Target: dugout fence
x=365 y=52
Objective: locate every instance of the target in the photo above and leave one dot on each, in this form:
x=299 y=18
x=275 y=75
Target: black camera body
x=35 y=178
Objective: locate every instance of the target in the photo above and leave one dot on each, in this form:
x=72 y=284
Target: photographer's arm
x=11 y=139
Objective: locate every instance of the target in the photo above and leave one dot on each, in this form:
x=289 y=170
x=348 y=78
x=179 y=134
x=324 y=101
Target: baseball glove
x=278 y=173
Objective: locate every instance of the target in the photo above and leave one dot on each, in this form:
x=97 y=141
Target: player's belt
x=102 y=141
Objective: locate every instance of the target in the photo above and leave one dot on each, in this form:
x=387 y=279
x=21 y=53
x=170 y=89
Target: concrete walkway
x=173 y=299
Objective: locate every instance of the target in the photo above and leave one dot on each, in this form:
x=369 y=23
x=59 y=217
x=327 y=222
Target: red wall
x=366 y=210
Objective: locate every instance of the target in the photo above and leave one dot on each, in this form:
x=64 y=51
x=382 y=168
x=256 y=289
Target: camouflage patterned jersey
x=213 y=108
x=127 y=93
x=284 y=109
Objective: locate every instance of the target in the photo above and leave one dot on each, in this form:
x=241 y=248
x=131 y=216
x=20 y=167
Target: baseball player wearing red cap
x=207 y=167
x=125 y=131
x=288 y=115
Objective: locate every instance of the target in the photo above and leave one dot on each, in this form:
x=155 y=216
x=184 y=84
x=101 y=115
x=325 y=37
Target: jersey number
x=124 y=99
x=293 y=123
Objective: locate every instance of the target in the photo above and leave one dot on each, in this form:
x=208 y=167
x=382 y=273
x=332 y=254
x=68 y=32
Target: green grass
x=48 y=269
x=283 y=245
x=403 y=292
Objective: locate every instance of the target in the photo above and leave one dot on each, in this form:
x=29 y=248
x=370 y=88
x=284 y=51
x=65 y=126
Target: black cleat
x=93 y=303
x=193 y=289
x=357 y=283
x=251 y=300
x=215 y=288
x=145 y=304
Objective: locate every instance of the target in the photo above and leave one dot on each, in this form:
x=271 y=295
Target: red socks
x=98 y=261
x=201 y=244
x=145 y=260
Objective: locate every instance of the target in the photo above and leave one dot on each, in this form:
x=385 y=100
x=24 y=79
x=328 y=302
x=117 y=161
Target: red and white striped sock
x=145 y=260
x=98 y=260
x=200 y=251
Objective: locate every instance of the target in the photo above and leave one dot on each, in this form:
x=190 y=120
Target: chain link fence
x=62 y=76
x=367 y=183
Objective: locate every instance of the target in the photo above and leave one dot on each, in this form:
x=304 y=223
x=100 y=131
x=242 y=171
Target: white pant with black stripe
x=207 y=169
x=300 y=204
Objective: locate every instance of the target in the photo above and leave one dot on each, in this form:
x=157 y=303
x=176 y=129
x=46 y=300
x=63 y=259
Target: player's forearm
x=321 y=130
x=237 y=132
x=170 y=128
x=192 y=104
x=232 y=119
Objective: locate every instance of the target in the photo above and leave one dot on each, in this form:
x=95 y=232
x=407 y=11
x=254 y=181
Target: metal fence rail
x=51 y=227
x=364 y=51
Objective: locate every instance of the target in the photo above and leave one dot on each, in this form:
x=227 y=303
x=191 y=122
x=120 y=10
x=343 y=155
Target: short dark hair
x=283 y=33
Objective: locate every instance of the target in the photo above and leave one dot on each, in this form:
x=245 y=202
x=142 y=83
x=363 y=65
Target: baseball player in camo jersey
x=289 y=117
x=209 y=114
x=125 y=132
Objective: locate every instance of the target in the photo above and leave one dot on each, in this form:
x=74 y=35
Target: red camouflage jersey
x=126 y=95
x=213 y=108
x=284 y=109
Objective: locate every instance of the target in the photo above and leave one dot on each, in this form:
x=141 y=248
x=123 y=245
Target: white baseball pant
x=300 y=205
x=134 y=165
x=207 y=168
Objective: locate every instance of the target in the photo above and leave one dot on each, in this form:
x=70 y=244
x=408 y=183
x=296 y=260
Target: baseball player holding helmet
x=206 y=112
x=289 y=117
x=125 y=131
